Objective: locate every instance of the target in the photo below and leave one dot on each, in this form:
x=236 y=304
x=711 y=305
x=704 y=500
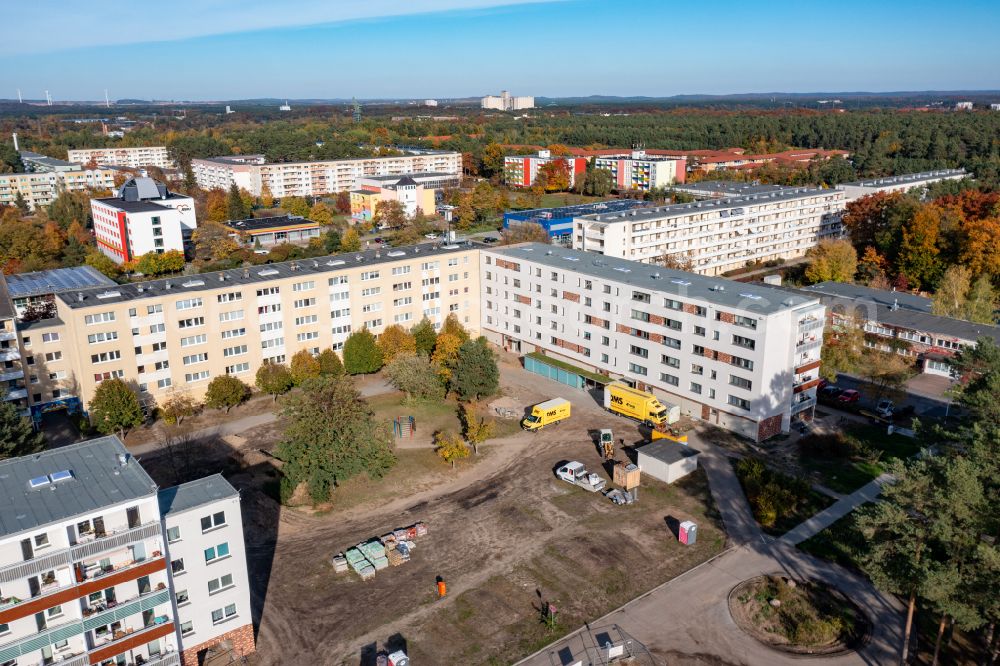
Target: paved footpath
x=866 y=493
x=688 y=617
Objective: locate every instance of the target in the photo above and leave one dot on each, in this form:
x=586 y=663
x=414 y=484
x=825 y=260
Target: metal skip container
x=687 y=533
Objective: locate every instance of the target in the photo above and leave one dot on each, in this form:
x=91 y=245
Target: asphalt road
x=924 y=405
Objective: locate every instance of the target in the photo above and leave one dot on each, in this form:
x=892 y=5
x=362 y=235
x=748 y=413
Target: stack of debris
x=392 y=549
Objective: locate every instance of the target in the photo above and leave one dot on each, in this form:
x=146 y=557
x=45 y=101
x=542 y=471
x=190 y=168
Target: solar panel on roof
x=62 y=475
x=38 y=481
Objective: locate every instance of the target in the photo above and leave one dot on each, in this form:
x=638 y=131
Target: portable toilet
x=688 y=533
x=399 y=658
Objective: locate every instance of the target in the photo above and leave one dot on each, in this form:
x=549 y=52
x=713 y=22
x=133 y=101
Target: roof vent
x=315 y=264
x=268 y=271
x=294 y=266
x=246 y=273
x=123 y=459
x=140 y=288
x=683 y=283
x=395 y=253
x=222 y=277
x=358 y=257
x=194 y=283
x=548 y=253
x=61 y=475
x=336 y=262
x=718 y=287
x=655 y=276
x=167 y=285
x=79 y=296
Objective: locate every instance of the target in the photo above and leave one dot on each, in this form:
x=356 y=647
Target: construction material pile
x=392 y=549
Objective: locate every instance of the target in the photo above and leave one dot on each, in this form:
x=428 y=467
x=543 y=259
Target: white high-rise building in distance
x=505 y=102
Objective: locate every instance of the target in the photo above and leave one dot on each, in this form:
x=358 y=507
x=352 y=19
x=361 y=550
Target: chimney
x=895 y=304
x=167 y=285
x=246 y=273
x=79 y=297
x=294 y=266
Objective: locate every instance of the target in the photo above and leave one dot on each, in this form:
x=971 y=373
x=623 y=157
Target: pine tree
x=475 y=374
x=17 y=435
x=234 y=204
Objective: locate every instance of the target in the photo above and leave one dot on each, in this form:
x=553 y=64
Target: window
x=269 y=309
x=404 y=317
x=695 y=387
x=50 y=337
x=99 y=318
x=373 y=323
x=271 y=326
x=188 y=323
x=304 y=303
x=268 y=291
x=55 y=356
x=640 y=315
x=41 y=540
x=223 y=613
x=173 y=534
x=193 y=340
x=222 y=583
x=216 y=552
x=639 y=351
x=672 y=342
x=429 y=266
x=640 y=297
x=182 y=597
x=369 y=275
x=101 y=376
x=672 y=324
x=103 y=357
x=308 y=335
x=234 y=351
x=342 y=279
x=746 y=322
x=740 y=341
x=273 y=342
x=215 y=520
x=304 y=286
x=232 y=315
x=402 y=286
x=177 y=566
x=345 y=312
x=669 y=379
x=670 y=361
x=195 y=358
x=699 y=330
x=400 y=270
x=164 y=383
x=400 y=302
x=427 y=282
x=744 y=363
x=742 y=403
x=371 y=307
x=237 y=369
x=308 y=319
x=189 y=303
x=740 y=382
x=230 y=297
x=234 y=333
x=55 y=611
x=637 y=369
x=187 y=628
x=155 y=328
x=196 y=376
x=154 y=309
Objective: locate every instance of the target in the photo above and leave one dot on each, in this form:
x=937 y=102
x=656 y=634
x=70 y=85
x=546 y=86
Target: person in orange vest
x=442 y=587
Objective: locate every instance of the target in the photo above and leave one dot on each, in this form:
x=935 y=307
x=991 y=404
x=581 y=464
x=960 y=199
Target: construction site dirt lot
x=505 y=534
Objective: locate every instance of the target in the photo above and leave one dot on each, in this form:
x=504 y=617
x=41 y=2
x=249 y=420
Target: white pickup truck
x=574 y=472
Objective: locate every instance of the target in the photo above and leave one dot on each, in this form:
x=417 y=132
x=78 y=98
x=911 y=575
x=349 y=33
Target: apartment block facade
x=87 y=573
x=522 y=170
x=176 y=334
x=745 y=357
x=317 y=178
x=41 y=188
x=143 y=217
x=134 y=157
x=901 y=183
x=642 y=172
x=507 y=102
x=716 y=236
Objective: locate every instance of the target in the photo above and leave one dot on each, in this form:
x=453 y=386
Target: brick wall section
x=622 y=328
x=503 y=263
x=526 y=300
x=570 y=296
x=598 y=322
x=705 y=412
x=727 y=317
x=656 y=337
x=690 y=309
x=724 y=357
x=707 y=353
x=656 y=319
x=243 y=644
x=569 y=346
x=769 y=427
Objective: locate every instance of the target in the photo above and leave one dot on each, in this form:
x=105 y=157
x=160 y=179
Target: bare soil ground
x=505 y=535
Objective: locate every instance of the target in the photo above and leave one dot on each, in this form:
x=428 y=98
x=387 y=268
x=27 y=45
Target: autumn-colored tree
x=102 y=263
x=350 y=241
x=274 y=378
x=476 y=428
x=868 y=219
x=453 y=326
x=304 y=366
x=981 y=304
x=887 y=372
x=216 y=207
x=396 y=340
x=871 y=265
x=213 y=242
x=178 y=407
x=834 y=260
x=525 y=232
x=493 y=160
x=330 y=363
x=389 y=214
x=151 y=263
x=918 y=252
x=843 y=348
x=979 y=245
x=445 y=353
x=266 y=198
x=554 y=176
x=559 y=150
x=343 y=203
x=296 y=206
x=321 y=213
x=380 y=137
x=951 y=295
x=226 y=392
x=450 y=446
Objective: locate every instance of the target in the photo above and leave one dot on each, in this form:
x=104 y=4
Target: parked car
x=379 y=240
x=848 y=397
x=491 y=239
x=830 y=392
x=884 y=408
x=431 y=235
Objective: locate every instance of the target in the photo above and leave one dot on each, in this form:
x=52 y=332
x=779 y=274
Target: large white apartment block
x=135 y=156
x=88 y=570
x=42 y=187
x=144 y=217
x=507 y=102
x=902 y=183
x=718 y=235
x=177 y=334
x=743 y=356
x=642 y=172
x=316 y=178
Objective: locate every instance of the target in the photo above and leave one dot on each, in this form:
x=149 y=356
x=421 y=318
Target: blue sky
x=230 y=49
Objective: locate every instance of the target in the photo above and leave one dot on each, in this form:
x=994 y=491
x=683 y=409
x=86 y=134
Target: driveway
x=687 y=620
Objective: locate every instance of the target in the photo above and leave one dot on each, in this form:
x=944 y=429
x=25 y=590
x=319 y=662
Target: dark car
x=378 y=240
x=849 y=396
x=491 y=239
x=830 y=392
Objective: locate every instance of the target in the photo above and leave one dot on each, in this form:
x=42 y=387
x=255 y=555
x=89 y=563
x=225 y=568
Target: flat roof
x=141 y=206
x=235 y=277
x=193 y=494
x=53 y=281
x=420 y=175
x=609 y=206
x=905 y=178
x=96 y=479
x=668 y=451
x=38 y=158
x=757 y=298
x=671 y=210
x=247 y=159
x=267 y=223
x=733 y=187
x=884 y=297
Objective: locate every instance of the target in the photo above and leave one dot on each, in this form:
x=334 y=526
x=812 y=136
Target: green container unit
x=533 y=364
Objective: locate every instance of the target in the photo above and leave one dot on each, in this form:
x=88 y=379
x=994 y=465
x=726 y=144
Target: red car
x=849 y=396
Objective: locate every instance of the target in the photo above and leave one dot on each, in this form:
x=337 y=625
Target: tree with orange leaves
x=868 y=219
x=979 y=245
x=554 y=176
x=918 y=253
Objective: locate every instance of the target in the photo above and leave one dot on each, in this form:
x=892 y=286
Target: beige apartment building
x=132 y=156
x=177 y=334
x=41 y=187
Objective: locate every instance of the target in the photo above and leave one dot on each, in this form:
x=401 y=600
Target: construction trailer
x=667 y=461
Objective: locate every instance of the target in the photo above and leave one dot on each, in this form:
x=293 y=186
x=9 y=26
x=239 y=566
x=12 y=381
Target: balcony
x=97 y=545
x=805 y=402
x=10 y=354
x=810 y=323
x=125 y=609
x=8 y=335
x=808 y=344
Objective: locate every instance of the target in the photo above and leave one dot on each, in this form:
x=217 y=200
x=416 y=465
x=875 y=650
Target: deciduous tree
x=17 y=435
x=980 y=306
x=115 y=408
x=415 y=376
x=446 y=354
x=274 y=379
x=396 y=340
x=832 y=260
x=331 y=435
x=475 y=374
x=304 y=366
x=525 y=232
x=450 y=446
x=424 y=337
x=361 y=353
x=329 y=363
x=296 y=206
x=390 y=214
x=225 y=392
x=350 y=241
x=918 y=253
x=476 y=428
x=950 y=298
x=178 y=407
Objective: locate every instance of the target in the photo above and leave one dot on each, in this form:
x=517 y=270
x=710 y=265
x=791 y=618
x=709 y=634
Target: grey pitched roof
x=757 y=298
x=194 y=494
x=98 y=479
x=56 y=280
x=884 y=297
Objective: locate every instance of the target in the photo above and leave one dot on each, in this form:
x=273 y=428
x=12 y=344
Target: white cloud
x=44 y=26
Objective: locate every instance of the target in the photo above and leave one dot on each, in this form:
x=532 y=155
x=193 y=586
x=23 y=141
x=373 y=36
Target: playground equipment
x=404 y=427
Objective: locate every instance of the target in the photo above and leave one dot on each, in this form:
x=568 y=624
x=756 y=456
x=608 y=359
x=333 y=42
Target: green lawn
x=847 y=474
x=430 y=416
x=840 y=543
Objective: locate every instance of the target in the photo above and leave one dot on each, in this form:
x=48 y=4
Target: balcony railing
x=799 y=405
x=116 y=540
x=15 y=572
x=169 y=659
x=125 y=609
x=810 y=324
x=807 y=345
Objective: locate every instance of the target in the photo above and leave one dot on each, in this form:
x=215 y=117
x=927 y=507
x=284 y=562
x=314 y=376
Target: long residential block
x=720 y=235
x=745 y=357
x=100 y=566
x=132 y=156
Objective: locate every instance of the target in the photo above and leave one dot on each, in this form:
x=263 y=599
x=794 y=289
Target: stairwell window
x=216 y=552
